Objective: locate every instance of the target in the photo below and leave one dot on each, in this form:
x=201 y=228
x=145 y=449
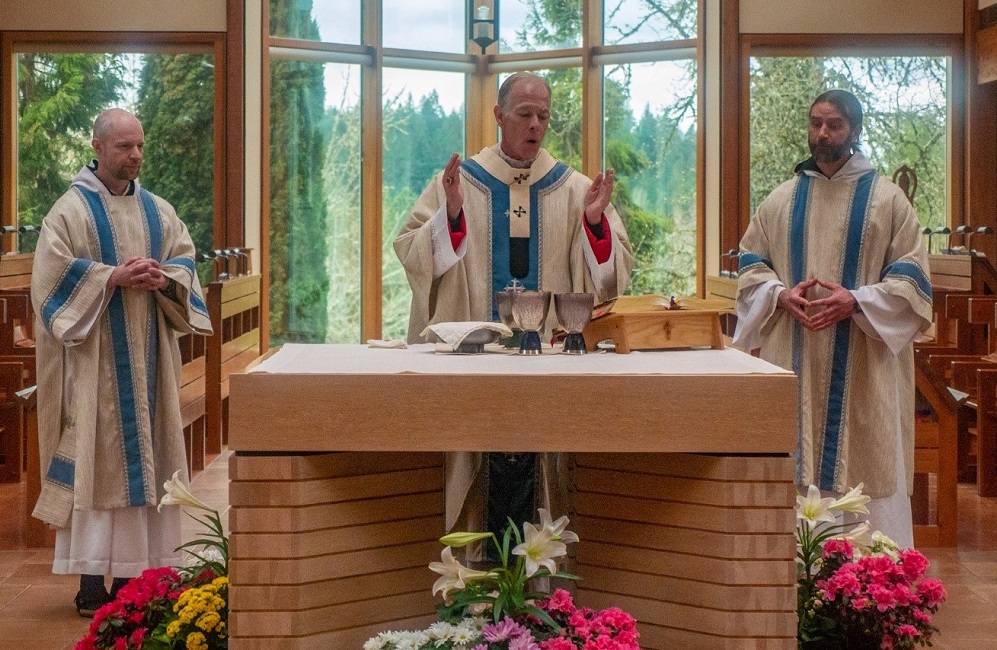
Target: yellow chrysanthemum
x=196 y=641
x=172 y=629
x=208 y=621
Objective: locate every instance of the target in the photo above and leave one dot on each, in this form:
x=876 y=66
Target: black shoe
x=87 y=603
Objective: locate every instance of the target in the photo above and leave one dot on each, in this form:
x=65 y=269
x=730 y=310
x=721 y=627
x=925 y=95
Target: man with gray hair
x=834 y=285
x=511 y=211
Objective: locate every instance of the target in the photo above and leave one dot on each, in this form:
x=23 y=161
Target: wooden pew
x=935 y=452
x=192 y=399
x=986 y=433
x=234 y=307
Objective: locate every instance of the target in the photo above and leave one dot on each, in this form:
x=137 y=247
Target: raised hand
x=452 y=188
x=598 y=196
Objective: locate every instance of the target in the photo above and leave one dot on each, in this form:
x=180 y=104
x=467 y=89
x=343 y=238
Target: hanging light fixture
x=482 y=22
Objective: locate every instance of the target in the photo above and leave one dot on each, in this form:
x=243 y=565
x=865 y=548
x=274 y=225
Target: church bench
x=234 y=308
x=192 y=393
x=11 y=422
x=986 y=432
x=936 y=432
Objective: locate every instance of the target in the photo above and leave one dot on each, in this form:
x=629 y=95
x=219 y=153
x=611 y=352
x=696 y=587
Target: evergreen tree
x=59 y=96
x=299 y=280
x=176 y=108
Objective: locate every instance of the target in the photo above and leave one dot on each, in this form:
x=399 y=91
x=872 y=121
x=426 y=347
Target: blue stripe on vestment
x=746 y=261
x=187 y=263
x=501 y=277
x=122 y=355
x=154 y=230
x=842 y=334
x=64 y=290
x=797 y=262
x=61 y=471
x=912 y=272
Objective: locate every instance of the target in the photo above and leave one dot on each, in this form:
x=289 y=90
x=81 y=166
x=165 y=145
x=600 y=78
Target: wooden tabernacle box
x=651 y=322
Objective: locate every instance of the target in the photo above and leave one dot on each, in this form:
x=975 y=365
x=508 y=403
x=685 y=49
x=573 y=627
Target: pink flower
x=914 y=563
x=932 y=591
x=560 y=601
x=504 y=630
x=837 y=546
x=557 y=643
x=907 y=630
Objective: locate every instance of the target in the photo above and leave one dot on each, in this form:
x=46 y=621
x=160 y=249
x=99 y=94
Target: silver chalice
x=529 y=309
x=573 y=311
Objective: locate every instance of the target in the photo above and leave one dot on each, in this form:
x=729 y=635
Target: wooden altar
x=682 y=485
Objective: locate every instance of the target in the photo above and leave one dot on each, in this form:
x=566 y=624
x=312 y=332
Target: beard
x=829 y=153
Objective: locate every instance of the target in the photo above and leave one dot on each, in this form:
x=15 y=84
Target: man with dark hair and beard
x=834 y=285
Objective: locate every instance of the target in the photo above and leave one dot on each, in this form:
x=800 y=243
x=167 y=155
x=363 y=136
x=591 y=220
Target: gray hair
x=514 y=78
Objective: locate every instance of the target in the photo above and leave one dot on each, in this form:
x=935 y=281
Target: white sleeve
x=886 y=317
x=444 y=256
x=755 y=306
x=603 y=275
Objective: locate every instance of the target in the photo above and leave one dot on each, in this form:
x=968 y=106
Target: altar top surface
x=305 y=398
x=295 y=358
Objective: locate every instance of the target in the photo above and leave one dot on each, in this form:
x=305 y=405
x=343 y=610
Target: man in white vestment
x=511 y=211
x=834 y=285
x=113 y=282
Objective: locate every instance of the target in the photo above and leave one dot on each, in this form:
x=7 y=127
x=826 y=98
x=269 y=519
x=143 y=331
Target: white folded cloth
x=394 y=344
x=453 y=334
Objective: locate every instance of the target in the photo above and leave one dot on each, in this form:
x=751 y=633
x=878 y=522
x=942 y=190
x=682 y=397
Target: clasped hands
x=141 y=273
x=816 y=315
x=596 y=198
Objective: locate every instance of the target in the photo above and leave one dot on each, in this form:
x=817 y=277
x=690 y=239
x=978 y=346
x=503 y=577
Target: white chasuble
x=110 y=431
x=544 y=202
x=856 y=385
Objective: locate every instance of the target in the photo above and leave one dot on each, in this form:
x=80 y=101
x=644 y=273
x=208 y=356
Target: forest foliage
x=315 y=225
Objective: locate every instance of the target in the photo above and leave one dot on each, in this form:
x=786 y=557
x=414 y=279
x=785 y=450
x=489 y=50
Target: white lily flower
x=812 y=508
x=557 y=527
x=853 y=501
x=860 y=537
x=177 y=494
x=453 y=574
x=539 y=548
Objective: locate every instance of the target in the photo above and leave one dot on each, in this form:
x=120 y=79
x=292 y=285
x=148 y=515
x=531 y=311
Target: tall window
x=60 y=94
x=905 y=121
x=325 y=283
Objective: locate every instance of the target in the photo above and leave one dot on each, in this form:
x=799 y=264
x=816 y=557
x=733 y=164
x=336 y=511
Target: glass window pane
x=423 y=126
x=171 y=94
x=330 y=21
x=650 y=136
x=529 y=26
x=640 y=21
x=314 y=202
x=436 y=27
x=905 y=119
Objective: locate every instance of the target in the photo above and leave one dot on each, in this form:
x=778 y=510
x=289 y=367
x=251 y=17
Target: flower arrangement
x=168 y=608
x=498 y=610
x=855 y=589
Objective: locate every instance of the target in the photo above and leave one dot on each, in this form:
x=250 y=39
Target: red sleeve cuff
x=601 y=247
x=457 y=235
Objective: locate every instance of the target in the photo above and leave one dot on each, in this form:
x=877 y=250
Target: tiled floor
x=36 y=608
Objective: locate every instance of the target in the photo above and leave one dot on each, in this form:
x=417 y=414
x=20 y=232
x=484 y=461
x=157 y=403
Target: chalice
x=529 y=309
x=503 y=301
x=573 y=311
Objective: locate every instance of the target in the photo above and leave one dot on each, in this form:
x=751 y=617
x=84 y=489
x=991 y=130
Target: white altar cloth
x=423 y=359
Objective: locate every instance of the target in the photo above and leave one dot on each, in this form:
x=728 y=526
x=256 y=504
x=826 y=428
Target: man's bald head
x=111 y=120
x=118 y=141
